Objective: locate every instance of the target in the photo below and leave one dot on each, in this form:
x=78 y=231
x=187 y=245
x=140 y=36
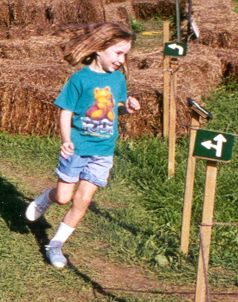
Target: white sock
x=62 y=234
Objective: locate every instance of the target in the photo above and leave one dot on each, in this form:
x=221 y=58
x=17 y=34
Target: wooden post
x=205 y=232
x=189 y=185
x=166 y=66
x=172 y=123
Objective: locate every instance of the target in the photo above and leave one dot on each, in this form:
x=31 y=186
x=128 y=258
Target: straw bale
x=27 y=92
x=118 y=10
x=229 y=61
x=40 y=83
x=32 y=70
x=27 y=109
x=4 y=19
x=38 y=48
x=145 y=83
x=114 y=1
x=31 y=18
x=146 y=9
x=198 y=74
x=217 y=22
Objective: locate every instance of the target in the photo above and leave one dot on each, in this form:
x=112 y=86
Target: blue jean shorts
x=94 y=169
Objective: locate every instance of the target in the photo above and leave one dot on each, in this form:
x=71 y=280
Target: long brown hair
x=86 y=40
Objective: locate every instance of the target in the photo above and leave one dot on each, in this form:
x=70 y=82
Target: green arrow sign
x=175 y=49
x=213 y=145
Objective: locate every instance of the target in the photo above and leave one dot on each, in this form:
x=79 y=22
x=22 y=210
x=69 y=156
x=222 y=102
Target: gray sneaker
x=38 y=207
x=55 y=256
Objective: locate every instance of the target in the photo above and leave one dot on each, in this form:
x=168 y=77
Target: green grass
x=235 y=5
x=137 y=217
x=149 y=33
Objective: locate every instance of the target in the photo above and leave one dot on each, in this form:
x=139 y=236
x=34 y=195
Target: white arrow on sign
x=220 y=139
x=175 y=46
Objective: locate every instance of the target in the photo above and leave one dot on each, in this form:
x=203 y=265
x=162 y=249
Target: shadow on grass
x=12 y=210
x=97 y=288
x=106 y=215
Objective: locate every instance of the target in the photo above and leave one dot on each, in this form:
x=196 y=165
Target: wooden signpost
x=197 y=112
x=214 y=147
x=172 y=120
x=171 y=49
x=166 y=67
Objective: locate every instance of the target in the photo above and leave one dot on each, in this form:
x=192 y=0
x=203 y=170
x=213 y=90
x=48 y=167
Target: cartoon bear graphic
x=103 y=106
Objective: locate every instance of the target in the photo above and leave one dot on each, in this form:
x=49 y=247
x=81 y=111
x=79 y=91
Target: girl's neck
x=96 y=67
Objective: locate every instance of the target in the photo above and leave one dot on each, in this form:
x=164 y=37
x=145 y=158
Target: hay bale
x=118 y=10
x=33 y=72
x=4 y=20
x=198 y=74
x=45 y=49
x=229 y=61
x=145 y=83
x=217 y=22
x=31 y=18
x=33 y=116
x=27 y=92
x=40 y=83
x=146 y=9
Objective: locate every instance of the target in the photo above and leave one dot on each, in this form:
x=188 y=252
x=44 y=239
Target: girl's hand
x=132 y=104
x=67 y=149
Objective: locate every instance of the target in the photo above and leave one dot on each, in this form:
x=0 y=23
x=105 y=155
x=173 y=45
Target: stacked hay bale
x=30 y=80
x=24 y=18
x=198 y=74
x=218 y=25
x=32 y=67
x=210 y=58
x=33 y=70
x=146 y=9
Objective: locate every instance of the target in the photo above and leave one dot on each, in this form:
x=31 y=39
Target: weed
x=136 y=26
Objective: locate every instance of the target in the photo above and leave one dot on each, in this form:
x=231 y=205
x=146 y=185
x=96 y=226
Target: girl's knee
x=81 y=201
x=62 y=199
x=61 y=195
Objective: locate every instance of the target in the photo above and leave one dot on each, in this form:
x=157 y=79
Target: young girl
x=88 y=123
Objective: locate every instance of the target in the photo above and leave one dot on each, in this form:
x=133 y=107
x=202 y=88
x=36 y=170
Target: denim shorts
x=94 y=169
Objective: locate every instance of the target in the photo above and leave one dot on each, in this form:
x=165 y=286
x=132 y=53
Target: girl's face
x=113 y=57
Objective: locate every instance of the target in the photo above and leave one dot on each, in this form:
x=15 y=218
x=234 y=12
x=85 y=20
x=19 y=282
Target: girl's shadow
x=12 y=210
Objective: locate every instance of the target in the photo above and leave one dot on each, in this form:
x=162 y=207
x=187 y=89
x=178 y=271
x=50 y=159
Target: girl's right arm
x=67 y=146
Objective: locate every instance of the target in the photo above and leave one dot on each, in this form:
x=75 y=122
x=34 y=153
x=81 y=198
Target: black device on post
x=199 y=109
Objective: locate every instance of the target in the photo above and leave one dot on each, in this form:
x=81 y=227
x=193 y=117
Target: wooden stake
x=172 y=125
x=189 y=185
x=166 y=64
x=206 y=230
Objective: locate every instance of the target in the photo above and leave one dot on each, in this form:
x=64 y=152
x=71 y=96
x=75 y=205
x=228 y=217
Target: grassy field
x=127 y=248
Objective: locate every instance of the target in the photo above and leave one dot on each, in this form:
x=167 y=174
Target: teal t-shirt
x=93 y=98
